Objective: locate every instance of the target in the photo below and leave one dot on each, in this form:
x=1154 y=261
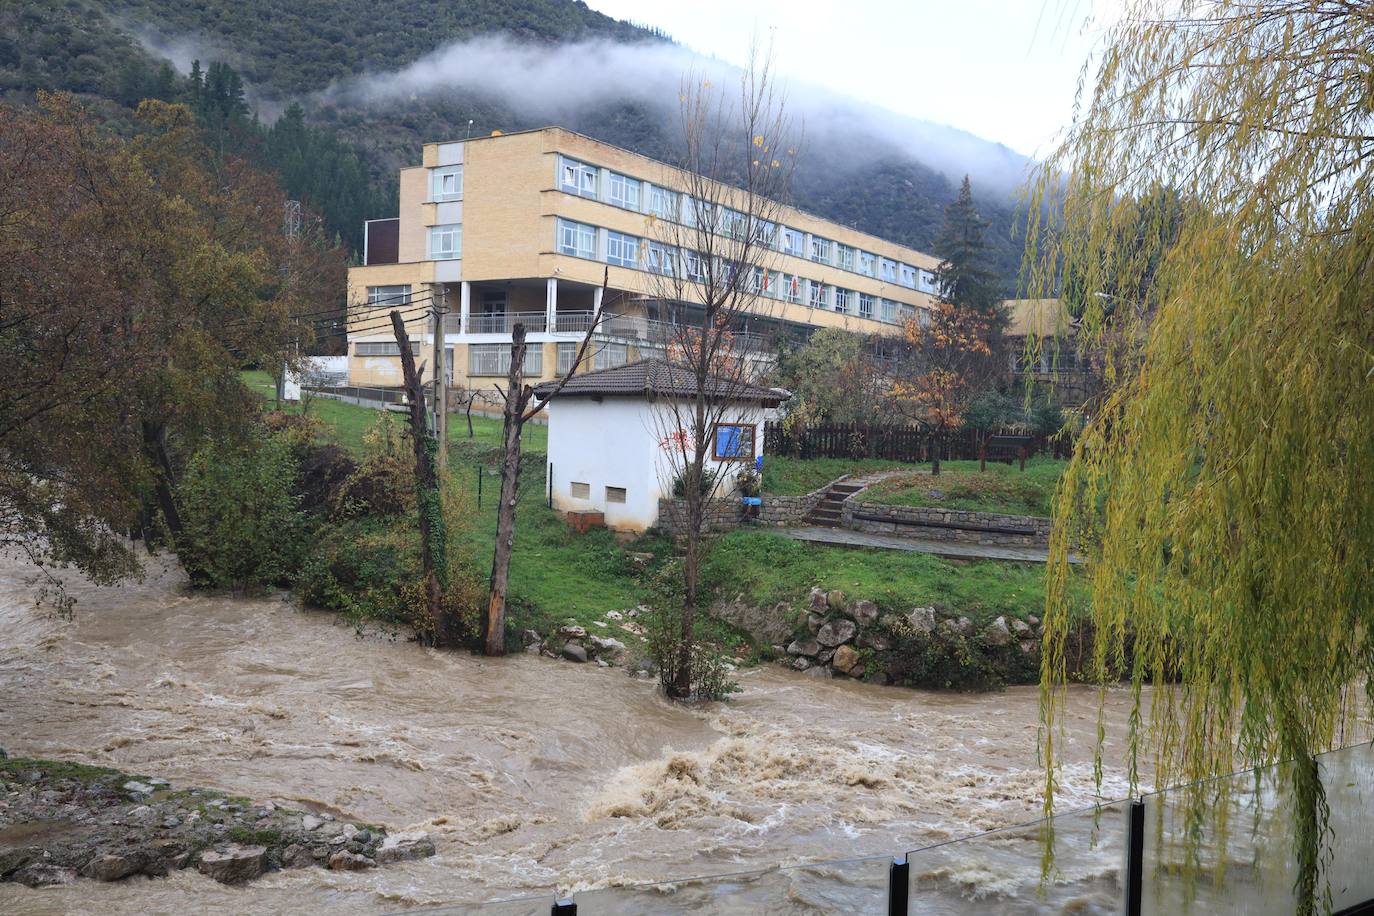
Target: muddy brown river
x=532 y=776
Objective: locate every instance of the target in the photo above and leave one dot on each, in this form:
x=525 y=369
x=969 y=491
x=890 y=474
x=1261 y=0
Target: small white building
x=612 y=436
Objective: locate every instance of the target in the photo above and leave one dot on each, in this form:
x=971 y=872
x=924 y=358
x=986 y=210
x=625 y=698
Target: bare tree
x=520 y=404
x=466 y=396
x=712 y=261
x=433 y=540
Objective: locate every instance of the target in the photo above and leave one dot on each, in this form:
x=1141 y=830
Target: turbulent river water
x=531 y=775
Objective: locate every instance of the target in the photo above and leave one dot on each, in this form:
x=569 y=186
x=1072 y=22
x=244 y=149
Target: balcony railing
x=647 y=330
x=505 y=322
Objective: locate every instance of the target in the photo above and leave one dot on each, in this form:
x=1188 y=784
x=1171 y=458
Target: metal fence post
x=1135 y=856
x=898 y=886
x=564 y=908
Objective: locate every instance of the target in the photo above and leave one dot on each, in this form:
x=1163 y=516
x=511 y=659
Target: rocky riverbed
x=60 y=821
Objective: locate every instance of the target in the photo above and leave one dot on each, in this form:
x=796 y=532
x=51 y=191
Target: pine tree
x=965 y=276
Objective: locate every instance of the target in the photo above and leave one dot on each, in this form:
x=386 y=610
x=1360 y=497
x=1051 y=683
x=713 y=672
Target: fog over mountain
x=565 y=83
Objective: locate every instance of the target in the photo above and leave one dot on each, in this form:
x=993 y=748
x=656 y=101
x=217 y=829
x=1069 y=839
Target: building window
x=733 y=442
x=663 y=203
x=820 y=250
x=615 y=494
x=845 y=256
x=820 y=296
x=446 y=183
x=695 y=265
x=927 y=282
x=792 y=288
x=765 y=233
x=624 y=191
x=389 y=295
x=579 y=490
x=378 y=348
x=494 y=359
x=611 y=355
x=567 y=354
x=733 y=224
x=888 y=269
x=445 y=242
x=889 y=311
x=865 y=305
x=659 y=258
x=577 y=177
x=908 y=276
x=842 y=297
x=868 y=264
x=577 y=239
x=791 y=242
x=622 y=249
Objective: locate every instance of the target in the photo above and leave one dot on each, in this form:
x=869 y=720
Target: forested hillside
x=341 y=155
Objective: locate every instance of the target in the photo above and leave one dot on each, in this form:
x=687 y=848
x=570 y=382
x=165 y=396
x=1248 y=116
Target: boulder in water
x=573 y=652
x=803 y=647
x=234 y=864
x=398 y=847
x=343 y=860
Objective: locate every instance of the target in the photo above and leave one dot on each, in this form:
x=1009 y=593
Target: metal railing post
x=564 y=908
x=898 y=886
x=1135 y=857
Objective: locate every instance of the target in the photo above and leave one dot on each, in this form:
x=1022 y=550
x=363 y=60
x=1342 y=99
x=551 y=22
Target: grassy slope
x=1001 y=488
x=556 y=573
x=768 y=568
x=350 y=421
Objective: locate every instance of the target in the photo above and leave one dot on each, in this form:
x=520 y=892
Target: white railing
x=505 y=322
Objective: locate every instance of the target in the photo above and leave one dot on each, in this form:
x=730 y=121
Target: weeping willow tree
x=1223 y=489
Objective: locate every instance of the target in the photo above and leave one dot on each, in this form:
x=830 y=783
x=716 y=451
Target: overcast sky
x=1005 y=70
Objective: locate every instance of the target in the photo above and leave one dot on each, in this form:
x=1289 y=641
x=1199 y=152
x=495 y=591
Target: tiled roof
x=653 y=377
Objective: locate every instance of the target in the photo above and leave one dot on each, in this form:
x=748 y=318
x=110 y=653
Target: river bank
x=530 y=776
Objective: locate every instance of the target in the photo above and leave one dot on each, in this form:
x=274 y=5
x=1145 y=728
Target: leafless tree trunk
x=713 y=260
x=432 y=535
x=517 y=410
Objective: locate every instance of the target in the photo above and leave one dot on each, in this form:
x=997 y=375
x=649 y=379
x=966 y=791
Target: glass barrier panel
x=1348 y=777
x=1236 y=858
x=854 y=885
x=1000 y=871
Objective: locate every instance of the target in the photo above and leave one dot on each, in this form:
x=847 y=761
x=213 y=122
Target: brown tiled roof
x=654 y=377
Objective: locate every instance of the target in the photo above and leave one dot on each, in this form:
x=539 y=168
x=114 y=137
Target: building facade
x=519 y=228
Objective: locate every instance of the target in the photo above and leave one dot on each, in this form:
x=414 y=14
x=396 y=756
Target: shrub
x=748 y=482
x=709 y=677
x=706 y=483
x=242 y=522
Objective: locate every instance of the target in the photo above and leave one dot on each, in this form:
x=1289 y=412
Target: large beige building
x=520 y=227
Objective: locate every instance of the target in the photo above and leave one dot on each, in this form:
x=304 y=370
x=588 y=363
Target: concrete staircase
x=826 y=512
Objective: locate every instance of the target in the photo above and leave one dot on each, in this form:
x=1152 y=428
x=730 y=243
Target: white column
x=551 y=305
x=596 y=302
x=464 y=307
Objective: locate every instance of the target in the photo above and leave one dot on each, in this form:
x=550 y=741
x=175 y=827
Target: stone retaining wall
x=728 y=514
x=717 y=515
x=930 y=523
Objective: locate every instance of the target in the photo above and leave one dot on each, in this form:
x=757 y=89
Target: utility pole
x=440 y=382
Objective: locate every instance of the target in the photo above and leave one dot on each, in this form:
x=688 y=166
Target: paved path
x=844 y=537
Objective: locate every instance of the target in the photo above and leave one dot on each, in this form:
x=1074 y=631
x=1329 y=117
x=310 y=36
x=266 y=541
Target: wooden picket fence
x=890 y=443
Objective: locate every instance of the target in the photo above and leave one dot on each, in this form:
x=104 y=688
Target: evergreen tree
x=965 y=277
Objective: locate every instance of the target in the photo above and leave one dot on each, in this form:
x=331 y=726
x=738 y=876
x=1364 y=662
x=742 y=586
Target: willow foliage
x=1210 y=217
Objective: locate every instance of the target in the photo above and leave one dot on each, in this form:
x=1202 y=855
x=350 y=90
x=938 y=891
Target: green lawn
x=350 y=422
x=769 y=568
x=557 y=573
x=1002 y=488
x=797 y=476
